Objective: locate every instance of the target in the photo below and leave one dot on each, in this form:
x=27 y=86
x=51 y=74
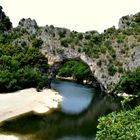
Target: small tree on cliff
x=5 y=23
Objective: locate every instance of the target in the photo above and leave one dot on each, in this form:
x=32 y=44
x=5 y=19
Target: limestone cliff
x=109 y=55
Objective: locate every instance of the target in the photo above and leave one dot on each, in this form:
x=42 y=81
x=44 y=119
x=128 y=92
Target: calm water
x=81 y=107
x=76 y=97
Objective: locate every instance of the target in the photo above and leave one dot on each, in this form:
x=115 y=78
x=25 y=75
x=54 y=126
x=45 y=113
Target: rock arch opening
x=75 y=68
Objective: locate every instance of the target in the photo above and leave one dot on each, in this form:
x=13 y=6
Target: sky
x=78 y=15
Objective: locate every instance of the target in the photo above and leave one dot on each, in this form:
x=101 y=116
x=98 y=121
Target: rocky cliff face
x=128 y=21
x=109 y=55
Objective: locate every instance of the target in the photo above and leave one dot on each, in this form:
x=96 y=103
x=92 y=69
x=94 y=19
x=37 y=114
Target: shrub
x=22 y=68
x=121 y=126
x=130 y=83
x=120 y=69
x=112 y=70
x=80 y=36
x=66 y=41
x=62 y=32
x=37 y=43
x=87 y=36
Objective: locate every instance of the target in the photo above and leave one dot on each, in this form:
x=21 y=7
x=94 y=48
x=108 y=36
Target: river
x=82 y=105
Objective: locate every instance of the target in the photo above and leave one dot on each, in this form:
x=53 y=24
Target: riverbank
x=8 y=137
x=27 y=100
x=85 y=82
x=126 y=95
x=65 y=78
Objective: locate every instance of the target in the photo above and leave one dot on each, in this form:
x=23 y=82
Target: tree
x=22 y=68
x=5 y=23
x=130 y=83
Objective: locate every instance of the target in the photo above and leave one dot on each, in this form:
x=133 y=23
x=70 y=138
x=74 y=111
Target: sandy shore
x=27 y=100
x=8 y=137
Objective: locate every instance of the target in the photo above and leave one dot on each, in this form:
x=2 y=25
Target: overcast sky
x=79 y=15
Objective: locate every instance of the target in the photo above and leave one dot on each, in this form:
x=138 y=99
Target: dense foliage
x=5 y=23
x=122 y=126
x=130 y=83
x=21 y=68
x=75 y=69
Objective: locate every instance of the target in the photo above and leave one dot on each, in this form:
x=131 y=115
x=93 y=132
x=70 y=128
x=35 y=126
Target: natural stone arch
x=56 y=63
x=56 y=50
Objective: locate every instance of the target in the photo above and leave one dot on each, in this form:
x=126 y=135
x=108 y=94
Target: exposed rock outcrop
x=113 y=53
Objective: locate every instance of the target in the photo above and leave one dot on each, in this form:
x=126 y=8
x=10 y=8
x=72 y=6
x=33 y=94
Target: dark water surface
x=81 y=107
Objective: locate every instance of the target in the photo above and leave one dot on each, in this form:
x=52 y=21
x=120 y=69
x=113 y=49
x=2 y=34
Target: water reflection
x=76 y=97
x=62 y=126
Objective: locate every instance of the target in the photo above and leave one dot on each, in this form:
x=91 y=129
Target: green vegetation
x=65 y=42
x=5 y=23
x=111 y=70
x=125 y=124
x=112 y=45
x=130 y=83
x=22 y=68
x=121 y=126
x=75 y=69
